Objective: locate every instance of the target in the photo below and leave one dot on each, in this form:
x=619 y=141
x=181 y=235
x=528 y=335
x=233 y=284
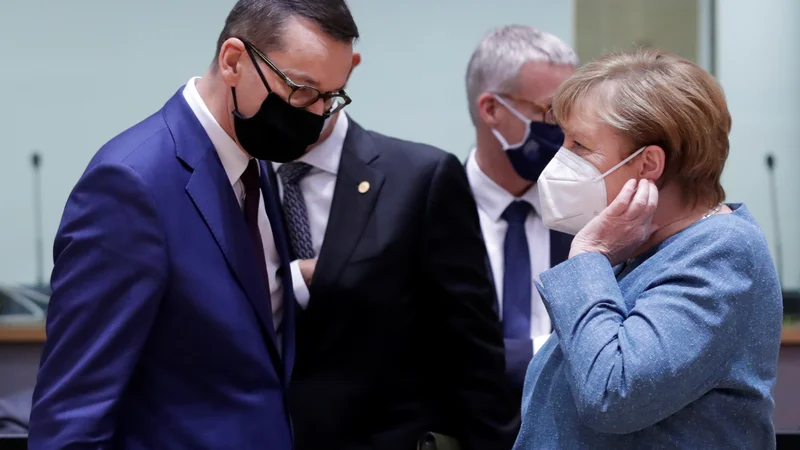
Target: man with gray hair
x=511 y=78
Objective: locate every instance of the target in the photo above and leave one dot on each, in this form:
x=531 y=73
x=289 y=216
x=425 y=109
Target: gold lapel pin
x=363 y=187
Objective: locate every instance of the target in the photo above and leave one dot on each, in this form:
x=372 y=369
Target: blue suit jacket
x=677 y=350
x=160 y=331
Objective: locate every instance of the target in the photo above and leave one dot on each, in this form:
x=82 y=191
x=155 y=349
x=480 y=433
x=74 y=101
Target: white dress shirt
x=317 y=188
x=235 y=161
x=492 y=201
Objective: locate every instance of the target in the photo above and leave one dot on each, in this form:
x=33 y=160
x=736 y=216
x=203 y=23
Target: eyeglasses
x=545 y=110
x=302 y=95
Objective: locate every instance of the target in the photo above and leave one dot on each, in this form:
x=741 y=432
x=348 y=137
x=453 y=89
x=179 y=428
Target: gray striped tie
x=294 y=207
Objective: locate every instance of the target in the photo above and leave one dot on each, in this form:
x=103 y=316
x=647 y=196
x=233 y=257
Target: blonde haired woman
x=667 y=315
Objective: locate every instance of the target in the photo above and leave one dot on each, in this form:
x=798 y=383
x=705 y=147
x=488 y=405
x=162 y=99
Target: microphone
x=776 y=225
x=36 y=163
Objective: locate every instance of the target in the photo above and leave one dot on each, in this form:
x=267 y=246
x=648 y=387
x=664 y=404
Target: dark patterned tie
x=294 y=207
x=252 y=195
x=517 y=279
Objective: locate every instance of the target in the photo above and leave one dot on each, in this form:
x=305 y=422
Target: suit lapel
x=487 y=262
x=211 y=192
x=357 y=187
x=269 y=190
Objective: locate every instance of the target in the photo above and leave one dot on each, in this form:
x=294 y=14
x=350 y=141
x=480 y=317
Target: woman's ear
x=653 y=163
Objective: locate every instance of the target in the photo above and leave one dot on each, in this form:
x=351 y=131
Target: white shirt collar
x=490 y=197
x=234 y=160
x=327 y=154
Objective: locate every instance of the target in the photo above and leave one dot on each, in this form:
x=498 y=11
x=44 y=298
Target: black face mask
x=537 y=148
x=542 y=142
x=278 y=132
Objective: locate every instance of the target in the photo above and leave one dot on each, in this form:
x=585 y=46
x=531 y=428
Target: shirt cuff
x=301 y=294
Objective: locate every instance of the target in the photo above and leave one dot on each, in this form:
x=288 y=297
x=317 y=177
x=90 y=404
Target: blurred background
x=74 y=74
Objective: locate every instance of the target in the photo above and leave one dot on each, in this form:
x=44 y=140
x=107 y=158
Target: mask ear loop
x=621 y=163
x=512 y=109
x=503 y=142
x=258 y=70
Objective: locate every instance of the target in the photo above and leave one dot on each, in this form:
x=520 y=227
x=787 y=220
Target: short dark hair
x=263 y=22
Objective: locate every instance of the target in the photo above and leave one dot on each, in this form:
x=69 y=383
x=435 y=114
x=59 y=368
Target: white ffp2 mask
x=572 y=191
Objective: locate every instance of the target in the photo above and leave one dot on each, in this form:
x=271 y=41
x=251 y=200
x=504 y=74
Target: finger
x=639 y=202
x=620 y=204
x=652 y=199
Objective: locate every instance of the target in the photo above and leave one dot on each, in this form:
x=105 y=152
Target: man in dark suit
x=172 y=319
x=396 y=331
x=511 y=78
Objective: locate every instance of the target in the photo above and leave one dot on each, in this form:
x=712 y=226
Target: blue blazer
x=160 y=331
x=677 y=350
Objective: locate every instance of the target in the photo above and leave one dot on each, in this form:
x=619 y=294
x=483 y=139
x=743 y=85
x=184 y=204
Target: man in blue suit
x=171 y=323
x=511 y=78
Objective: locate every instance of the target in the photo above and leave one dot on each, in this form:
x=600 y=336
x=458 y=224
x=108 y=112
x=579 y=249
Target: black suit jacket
x=400 y=336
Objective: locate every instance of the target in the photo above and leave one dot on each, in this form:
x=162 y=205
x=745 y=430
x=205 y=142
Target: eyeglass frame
x=545 y=110
x=294 y=86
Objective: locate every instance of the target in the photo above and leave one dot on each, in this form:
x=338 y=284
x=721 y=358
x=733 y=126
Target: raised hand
x=623 y=226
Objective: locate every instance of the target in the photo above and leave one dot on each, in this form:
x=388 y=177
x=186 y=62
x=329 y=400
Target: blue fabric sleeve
x=629 y=369
x=109 y=276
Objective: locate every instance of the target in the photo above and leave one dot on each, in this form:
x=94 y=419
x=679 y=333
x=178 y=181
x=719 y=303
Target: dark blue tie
x=517 y=282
